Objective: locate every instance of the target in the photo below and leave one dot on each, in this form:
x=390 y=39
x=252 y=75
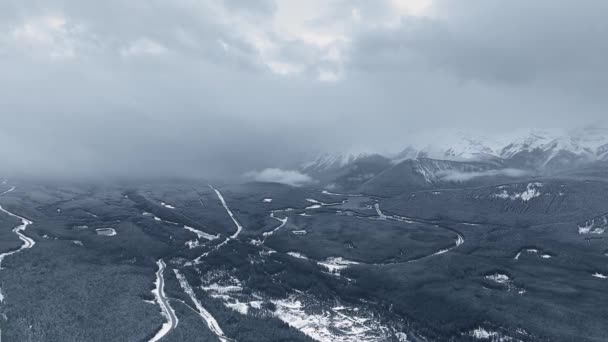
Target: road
x=205 y=315
x=27 y=241
x=166 y=309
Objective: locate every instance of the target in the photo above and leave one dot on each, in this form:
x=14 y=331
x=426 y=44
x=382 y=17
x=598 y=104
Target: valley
x=521 y=261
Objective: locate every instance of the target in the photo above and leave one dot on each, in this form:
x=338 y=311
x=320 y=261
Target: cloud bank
x=209 y=87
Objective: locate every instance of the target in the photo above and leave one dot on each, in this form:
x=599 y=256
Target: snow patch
x=532 y=191
x=596 y=225
x=106 y=231
x=336 y=264
x=201 y=234
x=297 y=255
x=166 y=205
x=499 y=278
x=323 y=323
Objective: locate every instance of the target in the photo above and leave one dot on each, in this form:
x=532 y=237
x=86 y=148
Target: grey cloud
x=191 y=106
x=553 y=42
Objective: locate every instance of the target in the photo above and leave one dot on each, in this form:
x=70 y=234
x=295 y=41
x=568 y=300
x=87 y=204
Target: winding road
x=27 y=241
x=457 y=243
x=166 y=309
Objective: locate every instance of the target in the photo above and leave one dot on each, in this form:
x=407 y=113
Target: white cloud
x=143 y=46
x=290 y=177
x=47 y=35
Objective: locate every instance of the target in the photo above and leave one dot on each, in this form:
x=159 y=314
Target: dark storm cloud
x=208 y=88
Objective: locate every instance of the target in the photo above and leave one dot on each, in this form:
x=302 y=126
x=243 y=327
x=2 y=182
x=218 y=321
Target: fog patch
x=457 y=176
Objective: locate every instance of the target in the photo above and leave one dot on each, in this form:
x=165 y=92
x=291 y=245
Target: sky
x=222 y=87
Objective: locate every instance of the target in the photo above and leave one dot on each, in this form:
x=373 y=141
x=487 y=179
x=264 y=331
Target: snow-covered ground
x=322 y=321
x=106 y=231
x=532 y=191
x=499 y=278
x=166 y=205
x=503 y=279
x=162 y=301
x=201 y=234
x=297 y=255
x=331 y=323
x=530 y=251
x=596 y=225
x=336 y=264
x=483 y=334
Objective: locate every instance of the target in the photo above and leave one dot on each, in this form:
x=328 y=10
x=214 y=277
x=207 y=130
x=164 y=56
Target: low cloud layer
x=213 y=88
x=455 y=176
x=289 y=177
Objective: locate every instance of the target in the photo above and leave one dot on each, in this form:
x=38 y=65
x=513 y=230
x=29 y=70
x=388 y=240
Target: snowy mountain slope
x=543 y=150
x=462 y=160
x=424 y=173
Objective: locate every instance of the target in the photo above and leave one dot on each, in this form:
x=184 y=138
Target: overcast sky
x=212 y=87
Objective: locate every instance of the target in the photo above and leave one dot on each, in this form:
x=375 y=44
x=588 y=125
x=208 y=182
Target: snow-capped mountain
x=328 y=161
x=533 y=149
x=461 y=157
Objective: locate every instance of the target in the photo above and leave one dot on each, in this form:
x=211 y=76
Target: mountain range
x=462 y=158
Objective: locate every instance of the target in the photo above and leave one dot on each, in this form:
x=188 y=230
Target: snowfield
x=335 y=264
x=322 y=321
